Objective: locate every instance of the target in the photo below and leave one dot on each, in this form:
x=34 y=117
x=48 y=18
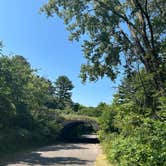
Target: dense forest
x=120 y=37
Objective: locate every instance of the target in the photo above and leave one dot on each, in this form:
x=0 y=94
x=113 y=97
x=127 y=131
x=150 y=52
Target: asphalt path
x=68 y=154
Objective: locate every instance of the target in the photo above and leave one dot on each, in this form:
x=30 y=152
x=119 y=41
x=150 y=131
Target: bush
x=90 y=111
x=106 y=122
x=133 y=140
x=145 y=147
x=44 y=129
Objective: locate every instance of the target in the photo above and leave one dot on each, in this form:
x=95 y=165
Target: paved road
x=68 y=154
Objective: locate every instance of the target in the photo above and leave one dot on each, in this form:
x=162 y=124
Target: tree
x=63 y=87
x=15 y=74
x=76 y=107
x=22 y=92
x=118 y=33
x=1 y=46
x=25 y=102
x=130 y=29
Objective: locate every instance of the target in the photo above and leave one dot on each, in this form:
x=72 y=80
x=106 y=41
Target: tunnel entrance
x=79 y=132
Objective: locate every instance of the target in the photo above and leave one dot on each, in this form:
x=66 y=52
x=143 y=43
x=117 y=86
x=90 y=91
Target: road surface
x=68 y=154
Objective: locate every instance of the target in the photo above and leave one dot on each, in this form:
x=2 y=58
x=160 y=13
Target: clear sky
x=44 y=42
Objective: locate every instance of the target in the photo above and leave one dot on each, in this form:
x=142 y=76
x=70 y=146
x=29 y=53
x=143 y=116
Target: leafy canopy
x=115 y=32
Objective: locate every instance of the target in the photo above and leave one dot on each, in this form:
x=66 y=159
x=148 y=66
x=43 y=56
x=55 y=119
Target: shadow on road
x=36 y=158
x=62 y=146
x=33 y=158
x=59 y=154
x=82 y=140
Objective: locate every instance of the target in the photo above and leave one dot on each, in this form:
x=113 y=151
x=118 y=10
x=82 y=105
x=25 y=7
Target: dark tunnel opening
x=79 y=132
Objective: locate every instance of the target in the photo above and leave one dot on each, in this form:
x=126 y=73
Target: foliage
x=75 y=107
x=131 y=132
x=14 y=76
x=78 y=117
x=162 y=107
x=106 y=122
x=143 y=145
x=92 y=111
x=49 y=123
x=118 y=33
x=63 y=87
x=25 y=102
x=88 y=111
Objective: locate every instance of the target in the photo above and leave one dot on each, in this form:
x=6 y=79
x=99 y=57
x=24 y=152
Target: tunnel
x=79 y=131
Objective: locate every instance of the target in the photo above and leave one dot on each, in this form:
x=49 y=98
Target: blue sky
x=44 y=42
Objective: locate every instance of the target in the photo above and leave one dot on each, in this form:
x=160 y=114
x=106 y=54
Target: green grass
x=79 y=117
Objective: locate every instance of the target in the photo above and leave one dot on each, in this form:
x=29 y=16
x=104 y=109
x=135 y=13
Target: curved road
x=68 y=154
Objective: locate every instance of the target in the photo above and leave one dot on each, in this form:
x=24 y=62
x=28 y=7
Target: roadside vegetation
x=26 y=106
x=131 y=133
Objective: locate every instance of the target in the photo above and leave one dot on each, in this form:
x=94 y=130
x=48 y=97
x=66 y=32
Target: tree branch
x=148 y=21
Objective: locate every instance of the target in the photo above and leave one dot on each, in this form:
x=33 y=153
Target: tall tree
x=117 y=33
x=63 y=87
x=132 y=29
